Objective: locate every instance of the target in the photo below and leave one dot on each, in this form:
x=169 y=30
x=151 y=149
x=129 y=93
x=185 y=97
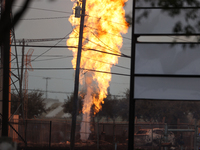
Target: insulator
x=78 y=11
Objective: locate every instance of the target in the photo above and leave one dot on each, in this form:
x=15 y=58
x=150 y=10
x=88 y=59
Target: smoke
x=87 y=103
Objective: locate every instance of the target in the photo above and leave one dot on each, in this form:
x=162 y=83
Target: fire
x=104 y=24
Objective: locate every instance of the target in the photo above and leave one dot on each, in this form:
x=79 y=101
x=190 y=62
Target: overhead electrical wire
x=108 y=63
x=109 y=33
x=49 y=55
x=68 y=79
x=111 y=49
x=46 y=18
x=49 y=91
x=51 y=77
x=53 y=58
x=81 y=69
x=122 y=55
x=58 y=11
x=51 y=47
x=61 y=92
x=54 y=46
x=41 y=40
x=99 y=18
x=63 y=57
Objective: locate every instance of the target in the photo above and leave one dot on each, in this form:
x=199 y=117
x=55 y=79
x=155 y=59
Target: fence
x=56 y=133
x=46 y=133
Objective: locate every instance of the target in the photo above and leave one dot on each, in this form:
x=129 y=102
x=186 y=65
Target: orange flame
x=104 y=24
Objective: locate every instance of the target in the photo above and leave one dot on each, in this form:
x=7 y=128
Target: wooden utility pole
x=132 y=84
x=76 y=84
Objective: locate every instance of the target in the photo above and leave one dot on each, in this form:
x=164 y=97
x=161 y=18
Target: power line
x=50 y=48
x=81 y=69
x=109 y=33
x=71 y=79
x=61 y=92
x=63 y=57
x=58 y=11
x=46 y=18
x=52 y=77
x=120 y=74
x=99 y=18
x=65 y=12
x=122 y=55
x=107 y=63
x=47 y=91
x=49 y=56
x=104 y=43
x=82 y=57
x=41 y=40
x=111 y=49
x=54 y=46
x=53 y=58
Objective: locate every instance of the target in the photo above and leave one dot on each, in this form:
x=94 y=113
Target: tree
x=171 y=110
x=68 y=105
x=124 y=105
x=6 y=24
x=189 y=25
x=36 y=105
x=110 y=109
x=159 y=109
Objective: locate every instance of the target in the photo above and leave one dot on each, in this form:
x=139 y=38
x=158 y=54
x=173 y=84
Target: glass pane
x=167 y=88
x=156 y=3
x=167 y=59
x=162 y=21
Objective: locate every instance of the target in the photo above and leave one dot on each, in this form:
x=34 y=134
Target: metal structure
x=47 y=78
x=5 y=64
x=153 y=76
x=28 y=67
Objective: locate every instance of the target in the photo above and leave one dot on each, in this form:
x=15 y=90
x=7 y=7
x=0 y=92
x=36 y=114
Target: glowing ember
x=104 y=23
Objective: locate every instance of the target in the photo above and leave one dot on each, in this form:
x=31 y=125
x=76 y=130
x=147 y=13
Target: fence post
x=114 y=133
x=26 y=133
x=97 y=131
x=166 y=135
x=50 y=135
x=195 y=135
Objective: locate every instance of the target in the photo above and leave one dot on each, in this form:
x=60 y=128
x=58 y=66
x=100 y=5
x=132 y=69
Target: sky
x=49 y=19
x=46 y=19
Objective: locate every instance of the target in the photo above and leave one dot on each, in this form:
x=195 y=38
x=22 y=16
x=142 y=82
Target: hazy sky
x=45 y=19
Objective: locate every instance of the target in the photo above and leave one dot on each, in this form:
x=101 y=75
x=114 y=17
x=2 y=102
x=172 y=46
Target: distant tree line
x=154 y=110
x=36 y=105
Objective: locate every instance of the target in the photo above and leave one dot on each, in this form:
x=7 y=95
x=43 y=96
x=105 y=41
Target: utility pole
x=47 y=78
x=76 y=84
x=131 y=126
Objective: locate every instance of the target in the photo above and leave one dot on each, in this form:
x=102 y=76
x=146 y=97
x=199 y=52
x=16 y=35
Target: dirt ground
x=92 y=145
